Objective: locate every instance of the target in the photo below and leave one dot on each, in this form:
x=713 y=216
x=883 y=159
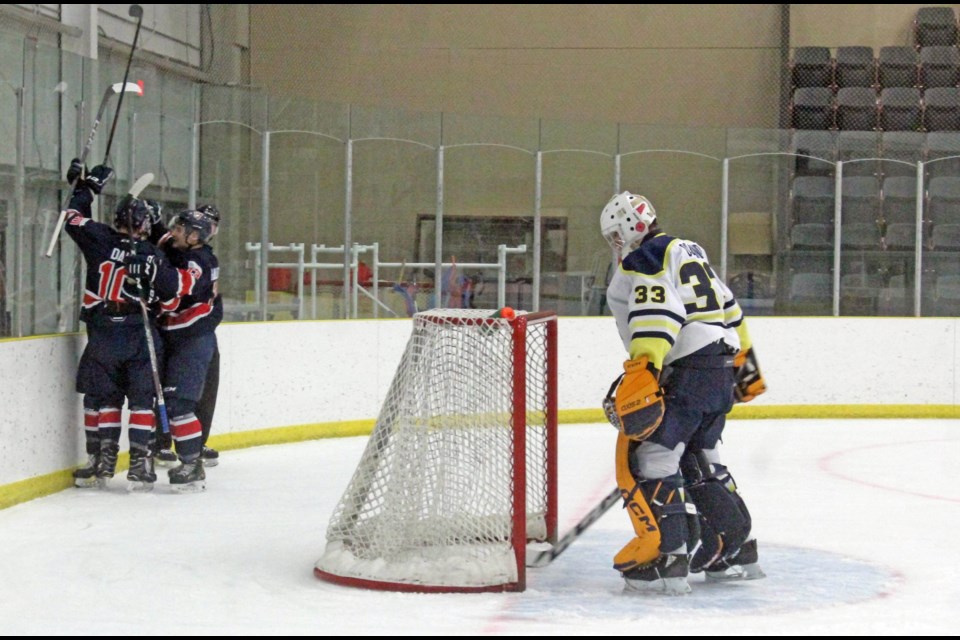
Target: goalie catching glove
x=748 y=382
x=634 y=403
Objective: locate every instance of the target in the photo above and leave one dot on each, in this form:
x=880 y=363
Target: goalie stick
x=543 y=558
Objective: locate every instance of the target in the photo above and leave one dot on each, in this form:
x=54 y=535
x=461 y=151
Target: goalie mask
x=626 y=221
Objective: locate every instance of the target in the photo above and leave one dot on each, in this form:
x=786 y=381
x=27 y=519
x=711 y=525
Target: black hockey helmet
x=192 y=220
x=210 y=211
x=213 y=214
x=134 y=214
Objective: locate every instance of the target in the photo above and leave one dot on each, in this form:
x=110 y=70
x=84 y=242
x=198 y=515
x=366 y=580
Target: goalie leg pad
x=725 y=521
x=644 y=548
x=668 y=502
x=637 y=553
x=662 y=514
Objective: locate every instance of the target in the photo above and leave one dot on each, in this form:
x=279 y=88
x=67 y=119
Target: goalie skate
x=668 y=576
x=742 y=566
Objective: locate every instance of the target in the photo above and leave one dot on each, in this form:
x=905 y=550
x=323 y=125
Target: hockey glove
x=130 y=290
x=748 y=382
x=76 y=171
x=98 y=177
x=639 y=399
x=154 y=213
x=142 y=268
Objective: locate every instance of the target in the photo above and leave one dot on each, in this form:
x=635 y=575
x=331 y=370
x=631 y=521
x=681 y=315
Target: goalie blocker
x=748 y=382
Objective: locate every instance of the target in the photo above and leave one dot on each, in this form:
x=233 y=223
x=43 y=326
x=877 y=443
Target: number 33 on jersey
x=672 y=301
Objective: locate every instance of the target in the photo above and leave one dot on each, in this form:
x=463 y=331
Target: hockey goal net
x=460 y=470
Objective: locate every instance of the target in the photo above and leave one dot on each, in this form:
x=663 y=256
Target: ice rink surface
x=856 y=520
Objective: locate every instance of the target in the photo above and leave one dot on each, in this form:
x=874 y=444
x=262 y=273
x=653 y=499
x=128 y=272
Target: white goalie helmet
x=626 y=221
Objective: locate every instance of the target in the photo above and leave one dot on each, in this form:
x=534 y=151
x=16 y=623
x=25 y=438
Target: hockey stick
x=138 y=186
x=543 y=558
x=154 y=366
x=112 y=90
x=136 y=11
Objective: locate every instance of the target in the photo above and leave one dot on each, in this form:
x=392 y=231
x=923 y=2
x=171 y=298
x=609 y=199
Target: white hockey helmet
x=625 y=221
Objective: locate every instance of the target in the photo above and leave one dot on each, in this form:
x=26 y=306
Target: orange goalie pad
x=645 y=548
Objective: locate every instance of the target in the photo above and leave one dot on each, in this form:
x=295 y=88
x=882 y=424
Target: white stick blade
x=131 y=87
x=140 y=184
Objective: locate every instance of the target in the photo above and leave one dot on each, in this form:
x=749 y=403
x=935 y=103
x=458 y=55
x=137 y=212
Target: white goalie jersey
x=669 y=303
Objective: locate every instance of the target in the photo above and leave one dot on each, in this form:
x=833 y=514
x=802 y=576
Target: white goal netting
x=464 y=442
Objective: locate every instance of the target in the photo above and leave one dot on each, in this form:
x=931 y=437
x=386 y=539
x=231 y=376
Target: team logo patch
x=194 y=270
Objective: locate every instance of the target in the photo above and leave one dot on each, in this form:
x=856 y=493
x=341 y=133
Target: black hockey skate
x=743 y=565
x=140 y=477
x=668 y=575
x=210 y=457
x=107 y=465
x=166 y=457
x=188 y=477
x=86 y=476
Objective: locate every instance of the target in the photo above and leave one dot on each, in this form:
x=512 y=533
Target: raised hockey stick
x=136 y=11
x=140 y=184
x=121 y=88
x=114 y=89
x=543 y=558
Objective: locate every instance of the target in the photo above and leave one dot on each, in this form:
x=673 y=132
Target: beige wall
x=713 y=65
x=865 y=25
x=538 y=76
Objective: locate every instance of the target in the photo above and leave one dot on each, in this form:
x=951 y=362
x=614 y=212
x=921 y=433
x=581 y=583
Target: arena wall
x=292 y=381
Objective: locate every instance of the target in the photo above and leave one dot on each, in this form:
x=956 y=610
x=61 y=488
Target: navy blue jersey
x=189 y=301
x=104 y=250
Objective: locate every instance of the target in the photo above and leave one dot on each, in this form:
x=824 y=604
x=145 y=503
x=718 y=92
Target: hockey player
x=211 y=386
x=206 y=406
x=186 y=283
x=689 y=356
x=116 y=362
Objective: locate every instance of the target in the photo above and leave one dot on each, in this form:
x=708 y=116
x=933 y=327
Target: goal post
x=459 y=473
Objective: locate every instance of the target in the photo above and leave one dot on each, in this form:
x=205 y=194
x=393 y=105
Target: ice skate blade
x=189 y=487
x=137 y=486
x=212 y=462
x=103 y=483
x=661 y=586
x=85 y=483
x=735 y=573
